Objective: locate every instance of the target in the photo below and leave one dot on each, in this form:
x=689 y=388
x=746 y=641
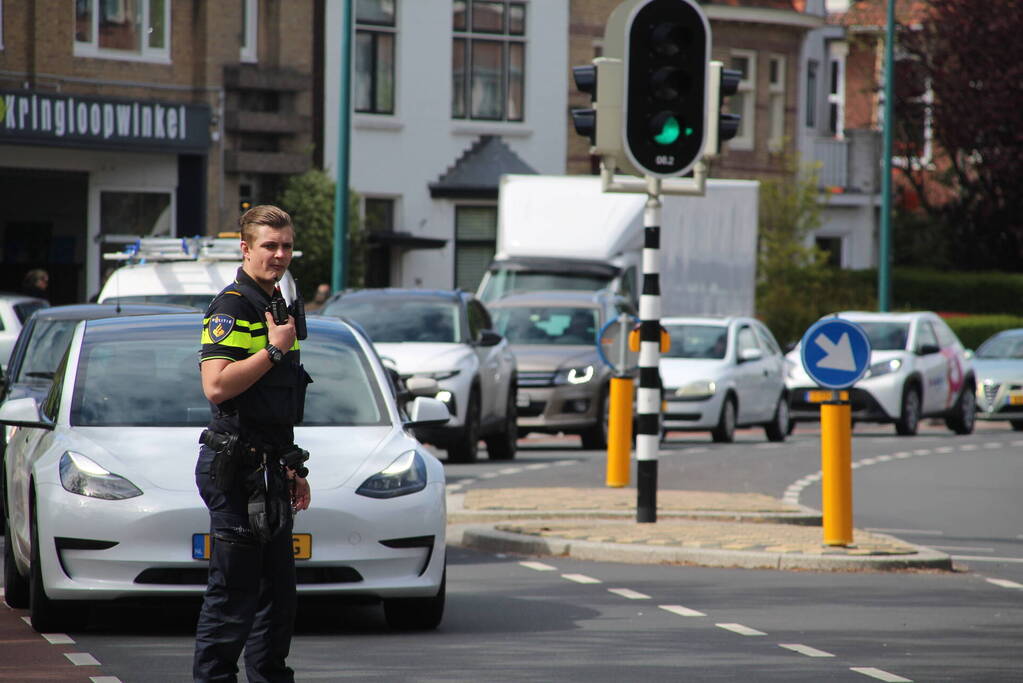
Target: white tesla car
x=102 y=497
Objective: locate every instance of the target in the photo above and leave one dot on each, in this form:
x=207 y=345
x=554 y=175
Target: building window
x=377 y=217
x=743 y=102
x=146 y=214
x=1 y=24
x=836 y=89
x=914 y=98
x=488 y=60
x=832 y=248
x=475 y=244
x=375 y=32
x=776 y=102
x=249 y=33
x=811 y=93
x=123 y=29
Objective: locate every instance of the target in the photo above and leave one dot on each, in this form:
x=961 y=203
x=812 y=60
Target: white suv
x=918 y=368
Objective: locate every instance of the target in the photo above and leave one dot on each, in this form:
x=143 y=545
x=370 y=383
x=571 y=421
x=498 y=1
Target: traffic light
x=602 y=80
x=667 y=50
x=585 y=120
x=720 y=126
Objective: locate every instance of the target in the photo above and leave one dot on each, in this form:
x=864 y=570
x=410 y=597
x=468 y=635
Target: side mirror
x=927 y=349
x=23 y=412
x=747 y=355
x=422 y=386
x=489 y=338
x=427 y=412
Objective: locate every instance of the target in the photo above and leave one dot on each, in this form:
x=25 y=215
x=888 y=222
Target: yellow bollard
x=619 y=432
x=836 y=472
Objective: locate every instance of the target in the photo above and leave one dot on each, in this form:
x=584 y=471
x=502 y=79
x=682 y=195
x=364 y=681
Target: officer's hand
x=281 y=336
x=300 y=494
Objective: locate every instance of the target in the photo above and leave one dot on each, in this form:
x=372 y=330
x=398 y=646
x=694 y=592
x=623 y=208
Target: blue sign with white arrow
x=835 y=353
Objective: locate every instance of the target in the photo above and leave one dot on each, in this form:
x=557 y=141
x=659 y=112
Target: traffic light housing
x=601 y=123
x=721 y=127
x=667 y=51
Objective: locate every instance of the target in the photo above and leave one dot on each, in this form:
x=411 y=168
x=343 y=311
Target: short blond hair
x=264 y=214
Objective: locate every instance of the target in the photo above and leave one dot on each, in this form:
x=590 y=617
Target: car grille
x=199 y=576
x=990 y=391
x=536 y=379
x=534 y=409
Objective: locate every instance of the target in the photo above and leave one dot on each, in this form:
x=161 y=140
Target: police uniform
x=250 y=596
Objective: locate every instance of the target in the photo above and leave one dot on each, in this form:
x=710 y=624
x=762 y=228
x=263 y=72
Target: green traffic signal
x=667 y=131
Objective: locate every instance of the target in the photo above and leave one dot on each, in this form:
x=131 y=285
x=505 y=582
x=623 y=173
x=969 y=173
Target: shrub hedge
x=916 y=289
x=972 y=330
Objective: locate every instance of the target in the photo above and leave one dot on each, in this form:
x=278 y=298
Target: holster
x=226 y=459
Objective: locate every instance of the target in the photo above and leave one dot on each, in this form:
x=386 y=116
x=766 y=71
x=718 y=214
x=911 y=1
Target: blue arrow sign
x=835 y=353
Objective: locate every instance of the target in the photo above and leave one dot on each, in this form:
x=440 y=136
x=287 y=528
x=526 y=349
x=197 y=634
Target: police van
x=188 y=270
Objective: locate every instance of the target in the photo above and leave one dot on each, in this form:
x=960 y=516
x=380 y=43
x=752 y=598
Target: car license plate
x=522 y=400
x=822 y=395
x=1016 y=399
x=302 y=544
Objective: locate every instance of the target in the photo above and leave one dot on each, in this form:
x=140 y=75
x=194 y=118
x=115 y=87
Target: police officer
x=256 y=387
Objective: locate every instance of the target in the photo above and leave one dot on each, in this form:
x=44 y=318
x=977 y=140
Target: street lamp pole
x=884 y=266
x=343 y=130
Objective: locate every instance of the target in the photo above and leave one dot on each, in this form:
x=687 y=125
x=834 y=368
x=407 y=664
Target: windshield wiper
x=41 y=373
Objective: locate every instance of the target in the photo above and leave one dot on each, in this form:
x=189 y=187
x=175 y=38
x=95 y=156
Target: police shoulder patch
x=219 y=326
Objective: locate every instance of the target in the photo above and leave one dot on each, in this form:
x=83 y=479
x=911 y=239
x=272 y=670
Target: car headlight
x=407 y=474
x=580 y=375
x=884 y=367
x=698 y=390
x=442 y=374
x=79 y=474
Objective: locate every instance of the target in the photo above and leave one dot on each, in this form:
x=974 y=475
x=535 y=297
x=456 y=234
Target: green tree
x=795 y=287
x=309 y=198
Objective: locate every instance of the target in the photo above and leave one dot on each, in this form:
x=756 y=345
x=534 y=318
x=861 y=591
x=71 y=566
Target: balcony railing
x=852 y=164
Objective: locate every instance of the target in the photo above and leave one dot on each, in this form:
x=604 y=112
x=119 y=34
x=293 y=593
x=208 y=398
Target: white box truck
x=563 y=232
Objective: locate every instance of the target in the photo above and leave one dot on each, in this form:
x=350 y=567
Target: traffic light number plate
x=665 y=160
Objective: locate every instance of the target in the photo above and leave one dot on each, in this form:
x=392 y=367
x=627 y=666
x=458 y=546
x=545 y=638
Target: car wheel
x=48 y=616
x=15 y=585
x=417 y=614
x=725 y=430
x=595 y=438
x=964 y=413
x=1017 y=425
x=502 y=445
x=909 y=420
x=779 y=426
x=466 y=445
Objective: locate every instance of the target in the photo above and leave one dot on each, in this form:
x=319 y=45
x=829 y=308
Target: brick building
x=138 y=117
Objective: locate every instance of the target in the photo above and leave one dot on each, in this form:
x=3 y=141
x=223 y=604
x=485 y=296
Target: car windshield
x=200 y=302
x=562 y=325
x=391 y=319
x=152 y=380
x=697 y=341
x=1002 y=346
x=504 y=282
x=885 y=336
x=44 y=349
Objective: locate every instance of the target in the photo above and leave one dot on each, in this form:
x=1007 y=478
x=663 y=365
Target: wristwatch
x=276 y=355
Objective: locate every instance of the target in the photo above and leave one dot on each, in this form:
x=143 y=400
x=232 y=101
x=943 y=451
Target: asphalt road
x=541 y=619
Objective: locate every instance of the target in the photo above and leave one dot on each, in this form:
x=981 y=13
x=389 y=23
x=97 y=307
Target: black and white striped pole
x=648 y=397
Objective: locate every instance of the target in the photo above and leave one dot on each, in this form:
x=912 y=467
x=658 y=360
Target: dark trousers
x=250 y=597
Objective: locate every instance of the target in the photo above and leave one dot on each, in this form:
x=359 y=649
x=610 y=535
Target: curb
x=487 y=538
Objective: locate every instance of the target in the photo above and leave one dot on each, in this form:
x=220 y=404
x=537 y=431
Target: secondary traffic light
x=721 y=127
x=602 y=80
x=667 y=50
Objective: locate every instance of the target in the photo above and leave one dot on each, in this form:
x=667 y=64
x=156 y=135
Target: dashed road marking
x=538 y=466
x=510 y=470
x=741 y=630
x=538 y=566
x=963 y=547
x=489 y=475
x=968 y=447
x=580 y=578
x=466 y=482
x=922 y=451
x=992 y=445
x=104 y=679
x=944 y=449
x=682 y=611
x=58 y=638
x=565 y=463
x=880 y=674
x=986 y=558
x=1005 y=583
x=82 y=659
x=768 y=446
x=629 y=593
x=805 y=650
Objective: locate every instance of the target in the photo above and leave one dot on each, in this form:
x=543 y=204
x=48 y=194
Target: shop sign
x=72 y=121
